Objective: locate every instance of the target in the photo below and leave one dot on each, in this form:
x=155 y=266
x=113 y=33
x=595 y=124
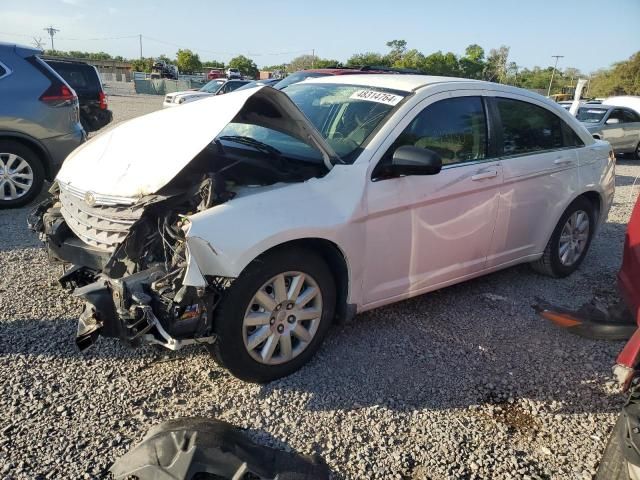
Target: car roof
x=21 y=50
x=393 y=81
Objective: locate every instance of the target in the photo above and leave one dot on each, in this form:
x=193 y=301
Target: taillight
x=103 y=101
x=58 y=95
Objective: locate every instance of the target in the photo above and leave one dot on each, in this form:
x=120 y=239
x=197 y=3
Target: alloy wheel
x=574 y=238
x=282 y=318
x=16 y=176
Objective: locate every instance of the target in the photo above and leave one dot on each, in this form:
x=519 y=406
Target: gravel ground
x=466 y=382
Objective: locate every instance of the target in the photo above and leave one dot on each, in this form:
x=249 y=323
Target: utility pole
x=554 y=72
x=140 y=39
x=313 y=57
x=51 y=31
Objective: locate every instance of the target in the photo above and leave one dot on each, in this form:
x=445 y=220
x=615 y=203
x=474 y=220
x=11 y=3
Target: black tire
x=229 y=349
x=549 y=264
x=34 y=161
x=613 y=465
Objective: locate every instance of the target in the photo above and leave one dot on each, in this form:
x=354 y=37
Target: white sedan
x=250 y=222
x=218 y=86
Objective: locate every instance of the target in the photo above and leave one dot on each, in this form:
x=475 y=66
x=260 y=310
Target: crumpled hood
x=139 y=157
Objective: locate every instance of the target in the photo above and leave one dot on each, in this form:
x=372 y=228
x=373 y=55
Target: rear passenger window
x=528 y=128
x=454 y=128
x=629 y=116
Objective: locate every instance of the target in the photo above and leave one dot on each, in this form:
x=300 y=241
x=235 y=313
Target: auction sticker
x=374 y=96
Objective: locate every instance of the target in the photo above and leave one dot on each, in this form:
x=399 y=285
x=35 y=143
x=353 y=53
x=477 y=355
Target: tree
x=398 y=48
x=622 y=79
x=496 y=70
x=142 y=65
x=246 y=66
x=412 y=59
x=188 y=62
x=439 y=63
x=212 y=64
x=472 y=65
x=368 y=59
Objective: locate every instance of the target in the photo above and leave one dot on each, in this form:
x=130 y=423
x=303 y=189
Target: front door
x=423 y=232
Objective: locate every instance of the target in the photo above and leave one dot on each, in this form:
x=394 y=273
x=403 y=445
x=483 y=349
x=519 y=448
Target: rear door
x=538 y=156
x=613 y=130
x=631 y=129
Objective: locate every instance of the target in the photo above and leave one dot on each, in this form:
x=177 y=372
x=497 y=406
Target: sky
x=590 y=34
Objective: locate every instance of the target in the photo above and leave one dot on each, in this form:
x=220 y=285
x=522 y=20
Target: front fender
x=226 y=238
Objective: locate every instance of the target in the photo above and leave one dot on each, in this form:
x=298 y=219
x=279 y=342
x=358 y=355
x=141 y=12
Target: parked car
x=627 y=101
x=321 y=72
x=218 y=86
x=216 y=73
x=85 y=81
x=162 y=69
x=39 y=123
x=618 y=321
x=249 y=222
x=620 y=126
x=269 y=82
x=233 y=73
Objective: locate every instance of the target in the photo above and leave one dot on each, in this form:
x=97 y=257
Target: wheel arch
x=336 y=260
x=35 y=145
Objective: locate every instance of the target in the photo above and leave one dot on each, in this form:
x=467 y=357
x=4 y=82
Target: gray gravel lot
x=466 y=382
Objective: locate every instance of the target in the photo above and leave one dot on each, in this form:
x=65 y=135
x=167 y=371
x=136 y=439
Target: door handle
x=563 y=161
x=484 y=175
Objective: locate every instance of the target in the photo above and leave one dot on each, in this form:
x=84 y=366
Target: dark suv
x=39 y=123
x=85 y=80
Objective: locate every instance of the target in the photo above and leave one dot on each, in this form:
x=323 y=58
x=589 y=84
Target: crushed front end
x=128 y=263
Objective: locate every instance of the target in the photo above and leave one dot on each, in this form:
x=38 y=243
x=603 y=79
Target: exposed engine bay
x=127 y=258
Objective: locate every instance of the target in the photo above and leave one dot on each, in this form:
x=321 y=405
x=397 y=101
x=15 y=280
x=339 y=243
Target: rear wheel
x=569 y=242
x=21 y=174
x=274 y=316
x=614 y=465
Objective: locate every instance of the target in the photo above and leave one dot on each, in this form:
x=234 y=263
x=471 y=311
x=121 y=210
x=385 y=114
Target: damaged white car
x=251 y=221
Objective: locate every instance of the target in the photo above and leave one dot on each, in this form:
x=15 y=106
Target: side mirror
x=410 y=160
x=612 y=121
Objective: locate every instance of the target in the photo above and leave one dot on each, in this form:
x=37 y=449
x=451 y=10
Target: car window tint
x=455 y=129
x=618 y=115
x=629 y=116
x=527 y=127
x=570 y=137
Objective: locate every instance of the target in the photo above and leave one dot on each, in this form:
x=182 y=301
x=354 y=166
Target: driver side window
x=454 y=128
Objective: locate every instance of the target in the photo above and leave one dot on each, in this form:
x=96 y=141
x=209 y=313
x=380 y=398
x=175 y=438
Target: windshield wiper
x=252 y=142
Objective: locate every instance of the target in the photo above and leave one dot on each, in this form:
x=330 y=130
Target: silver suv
x=39 y=123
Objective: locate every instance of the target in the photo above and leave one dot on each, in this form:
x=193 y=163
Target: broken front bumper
x=124 y=308
x=153 y=305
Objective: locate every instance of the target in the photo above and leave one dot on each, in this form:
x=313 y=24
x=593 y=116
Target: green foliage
x=142 y=65
x=368 y=59
x=246 y=66
x=212 y=64
x=187 y=61
x=622 y=79
x=439 y=63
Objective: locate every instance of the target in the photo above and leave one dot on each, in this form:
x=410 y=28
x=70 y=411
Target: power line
x=51 y=31
x=554 y=71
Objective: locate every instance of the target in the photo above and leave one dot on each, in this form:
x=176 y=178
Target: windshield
x=345 y=115
x=213 y=86
x=298 y=77
x=591 y=115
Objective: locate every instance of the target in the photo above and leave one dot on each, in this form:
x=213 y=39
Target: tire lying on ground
x=275 y=315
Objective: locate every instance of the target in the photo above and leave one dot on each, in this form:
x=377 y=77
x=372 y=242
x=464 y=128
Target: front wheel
x=569 y=241
x=273 y=317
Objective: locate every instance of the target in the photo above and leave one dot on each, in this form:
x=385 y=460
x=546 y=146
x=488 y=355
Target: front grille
x=168 y=98
x=101 y=226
